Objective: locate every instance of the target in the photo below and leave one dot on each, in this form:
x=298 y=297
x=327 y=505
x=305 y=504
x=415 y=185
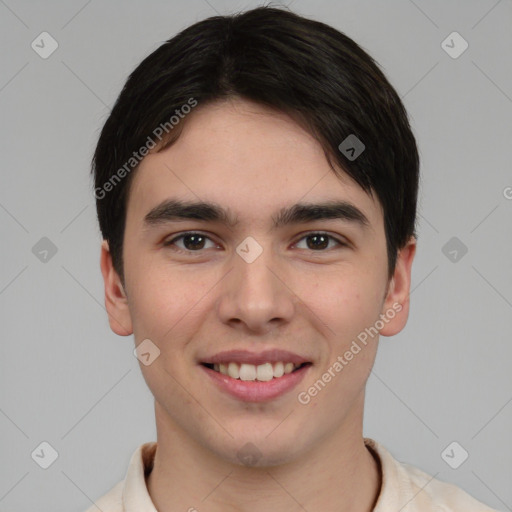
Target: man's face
x=308 y=287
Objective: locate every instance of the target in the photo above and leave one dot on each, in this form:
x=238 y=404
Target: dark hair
x=302 y=67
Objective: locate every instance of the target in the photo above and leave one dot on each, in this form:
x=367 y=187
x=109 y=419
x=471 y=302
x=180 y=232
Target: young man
x=256 y=188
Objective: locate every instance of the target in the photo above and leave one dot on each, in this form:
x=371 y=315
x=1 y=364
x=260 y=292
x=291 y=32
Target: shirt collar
x=136 y=497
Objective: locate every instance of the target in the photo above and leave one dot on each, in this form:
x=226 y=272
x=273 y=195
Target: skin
x=313 y=302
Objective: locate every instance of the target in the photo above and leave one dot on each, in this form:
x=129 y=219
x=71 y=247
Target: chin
x=259 y=451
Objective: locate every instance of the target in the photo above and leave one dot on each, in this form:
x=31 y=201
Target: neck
x=339 y=474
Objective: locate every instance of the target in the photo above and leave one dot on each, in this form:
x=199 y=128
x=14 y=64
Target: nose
x=256 y=296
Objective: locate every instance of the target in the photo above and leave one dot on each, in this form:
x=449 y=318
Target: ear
x=116 y=301
x=396 y=303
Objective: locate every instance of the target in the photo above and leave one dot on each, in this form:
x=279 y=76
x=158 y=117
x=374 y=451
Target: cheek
x=348 y=305
x=345 y=300
x=165 y=300
x=153 y=299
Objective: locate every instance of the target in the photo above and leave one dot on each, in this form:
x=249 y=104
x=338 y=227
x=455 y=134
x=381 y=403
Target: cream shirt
x=404 y=488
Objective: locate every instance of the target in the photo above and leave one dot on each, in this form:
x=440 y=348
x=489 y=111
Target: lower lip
x=257 y=391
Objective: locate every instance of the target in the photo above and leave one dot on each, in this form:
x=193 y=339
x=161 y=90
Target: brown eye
x=317 y=241
x=320 y=241
x=192 y=242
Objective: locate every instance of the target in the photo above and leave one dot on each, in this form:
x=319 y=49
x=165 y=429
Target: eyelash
x=187 y=251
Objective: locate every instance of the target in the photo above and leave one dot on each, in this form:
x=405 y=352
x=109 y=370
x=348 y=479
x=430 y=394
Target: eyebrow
x=177 y=210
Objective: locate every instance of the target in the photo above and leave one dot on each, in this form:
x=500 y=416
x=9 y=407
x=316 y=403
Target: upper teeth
x=263 y=372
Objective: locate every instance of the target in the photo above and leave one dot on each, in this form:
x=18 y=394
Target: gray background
x=68 y=380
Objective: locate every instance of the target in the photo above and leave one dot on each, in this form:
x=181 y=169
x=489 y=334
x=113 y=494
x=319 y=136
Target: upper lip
x=245 y=356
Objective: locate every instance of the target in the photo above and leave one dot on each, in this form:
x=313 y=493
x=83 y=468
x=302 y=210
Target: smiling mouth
x=249 y=372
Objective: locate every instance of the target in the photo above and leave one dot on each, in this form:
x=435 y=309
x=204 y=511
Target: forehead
x=251 y=159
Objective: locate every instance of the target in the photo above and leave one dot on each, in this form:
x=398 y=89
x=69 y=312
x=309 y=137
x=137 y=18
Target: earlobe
x=116 y=301
x=396 y=304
